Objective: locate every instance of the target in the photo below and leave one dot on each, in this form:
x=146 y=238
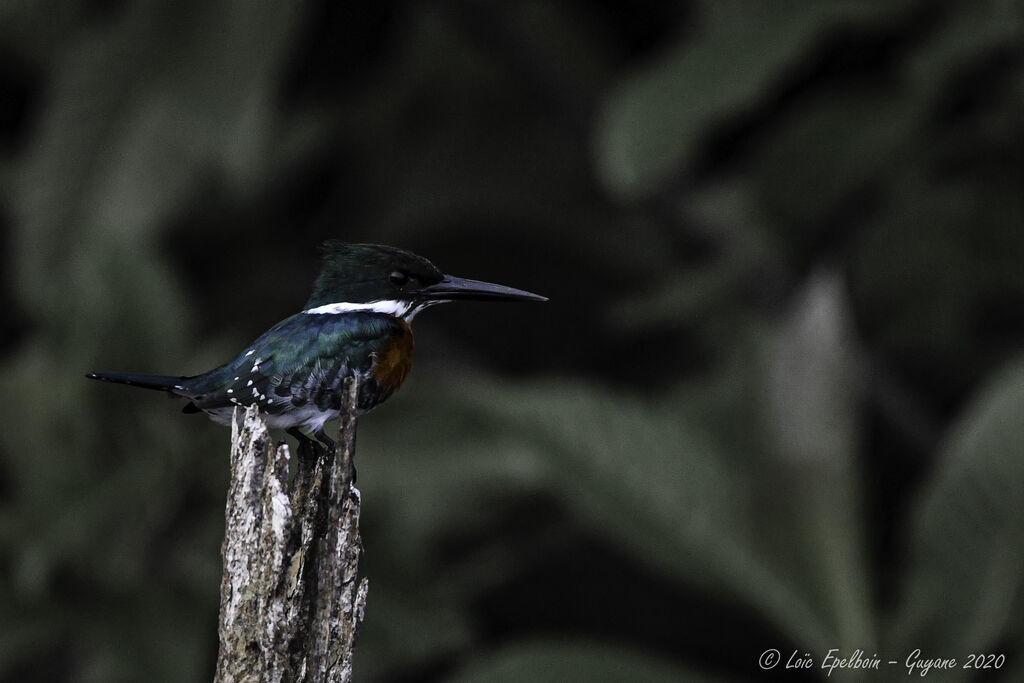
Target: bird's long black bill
x=452 y=287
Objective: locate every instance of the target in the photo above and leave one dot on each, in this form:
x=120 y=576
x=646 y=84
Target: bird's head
x=375 y=277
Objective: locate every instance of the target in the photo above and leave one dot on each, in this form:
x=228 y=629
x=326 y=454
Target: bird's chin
x=420 y=305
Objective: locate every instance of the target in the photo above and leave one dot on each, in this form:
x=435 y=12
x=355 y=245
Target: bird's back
x=295 y=371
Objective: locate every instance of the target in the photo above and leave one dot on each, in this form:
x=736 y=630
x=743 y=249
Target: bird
x=355 y=324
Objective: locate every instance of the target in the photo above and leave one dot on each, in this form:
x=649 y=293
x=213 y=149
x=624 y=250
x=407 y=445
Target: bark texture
x=291 y=601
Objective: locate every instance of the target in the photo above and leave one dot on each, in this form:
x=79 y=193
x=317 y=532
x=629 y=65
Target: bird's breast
x=392 y=363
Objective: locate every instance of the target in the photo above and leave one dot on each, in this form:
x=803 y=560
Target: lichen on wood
x=291 y=597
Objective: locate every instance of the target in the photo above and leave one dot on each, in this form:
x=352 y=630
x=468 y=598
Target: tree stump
x=291 y=601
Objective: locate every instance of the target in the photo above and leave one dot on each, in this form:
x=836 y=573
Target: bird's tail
x=159 y=382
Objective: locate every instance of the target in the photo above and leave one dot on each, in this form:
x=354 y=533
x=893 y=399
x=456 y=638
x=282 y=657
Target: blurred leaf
x=648 y=477
x=34 y=28
x=544 y=661
x=804 y=518
x=465 y=181
x=968 y=31
x=405 y=629
x=697 y=294
x=811 y=420
x=24 y=637
x=142 y=106
x=962 y=588
x=653 y=122
x=926 y=286
x=680 y=298
x=839 y=139
x=136 y=115
x=811 y=394
x=834 y=145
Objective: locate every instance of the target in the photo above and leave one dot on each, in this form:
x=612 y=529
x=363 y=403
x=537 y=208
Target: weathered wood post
x=291 y=601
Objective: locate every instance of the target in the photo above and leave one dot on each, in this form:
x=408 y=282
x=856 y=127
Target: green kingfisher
x=356 y=323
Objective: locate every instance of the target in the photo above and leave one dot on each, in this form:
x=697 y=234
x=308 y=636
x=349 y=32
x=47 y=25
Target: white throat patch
x=405 y=310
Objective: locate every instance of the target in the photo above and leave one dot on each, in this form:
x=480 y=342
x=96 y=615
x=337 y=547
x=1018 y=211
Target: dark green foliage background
x=776 y=399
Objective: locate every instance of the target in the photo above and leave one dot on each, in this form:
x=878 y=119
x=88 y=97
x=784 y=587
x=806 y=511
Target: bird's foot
x=332 y=447
x=308 y=448
x=327 y=441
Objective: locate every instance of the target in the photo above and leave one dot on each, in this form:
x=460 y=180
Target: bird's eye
x=399 y=278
